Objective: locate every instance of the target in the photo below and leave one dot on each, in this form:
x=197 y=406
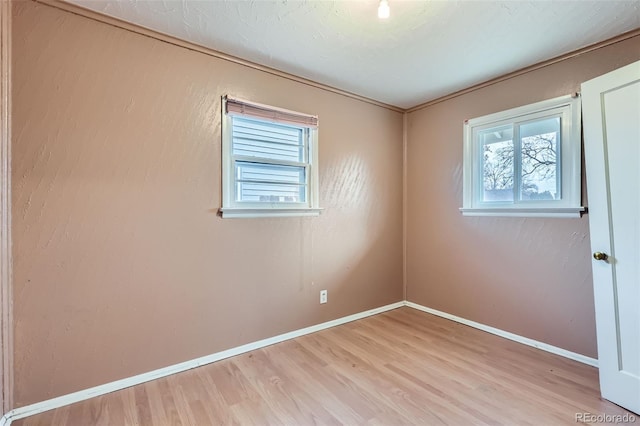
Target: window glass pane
x=270 y=183
x=497 y=163
x=256 y=138
x=540 y=141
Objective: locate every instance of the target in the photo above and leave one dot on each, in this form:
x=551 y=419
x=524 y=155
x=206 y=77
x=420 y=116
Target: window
x=269 y=161
x=524 y=161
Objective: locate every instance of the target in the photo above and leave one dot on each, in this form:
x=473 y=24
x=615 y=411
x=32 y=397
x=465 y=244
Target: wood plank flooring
x=402 y=367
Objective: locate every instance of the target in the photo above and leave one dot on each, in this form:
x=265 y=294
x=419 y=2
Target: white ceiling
x=425 y=50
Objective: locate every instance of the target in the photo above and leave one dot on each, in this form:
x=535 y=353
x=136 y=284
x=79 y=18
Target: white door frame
x=616 y=384
x=6 y=326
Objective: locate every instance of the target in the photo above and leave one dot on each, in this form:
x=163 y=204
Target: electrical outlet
x=323 y=296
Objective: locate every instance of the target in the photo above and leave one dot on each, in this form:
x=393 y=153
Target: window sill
x=568 y=212
x=238 y=213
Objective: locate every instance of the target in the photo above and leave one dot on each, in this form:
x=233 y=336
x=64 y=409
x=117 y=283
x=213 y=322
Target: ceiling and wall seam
x=144 y=31
x=139 y=29
x=526 y=70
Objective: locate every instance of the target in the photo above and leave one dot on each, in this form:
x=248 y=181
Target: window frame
x=568 y=108
x=246 y=209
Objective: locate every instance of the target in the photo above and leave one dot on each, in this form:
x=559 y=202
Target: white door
x=611 y=123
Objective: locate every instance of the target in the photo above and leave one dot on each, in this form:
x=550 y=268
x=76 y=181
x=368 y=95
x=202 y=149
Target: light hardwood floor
x=398 y=368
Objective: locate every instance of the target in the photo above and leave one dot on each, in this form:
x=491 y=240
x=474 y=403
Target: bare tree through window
x=539 y=160
x=536 y=165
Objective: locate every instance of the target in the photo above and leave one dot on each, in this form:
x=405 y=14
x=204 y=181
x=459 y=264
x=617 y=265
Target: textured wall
x=530 y=276
x=121 y=263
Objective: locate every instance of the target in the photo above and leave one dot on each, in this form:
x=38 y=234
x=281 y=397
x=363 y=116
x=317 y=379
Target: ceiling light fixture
x=383 y=9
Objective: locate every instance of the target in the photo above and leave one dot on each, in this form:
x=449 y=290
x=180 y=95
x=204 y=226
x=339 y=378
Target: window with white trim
x=269 y=161
x=524 y=161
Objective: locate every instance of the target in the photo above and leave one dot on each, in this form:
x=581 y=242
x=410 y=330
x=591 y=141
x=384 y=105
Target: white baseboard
x=82 y=395
x=507 y=335
x=50 y=404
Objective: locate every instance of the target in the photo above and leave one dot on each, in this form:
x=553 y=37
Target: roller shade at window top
x=265 y=112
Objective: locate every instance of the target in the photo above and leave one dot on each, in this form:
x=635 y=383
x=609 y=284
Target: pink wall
x=121 y=264
x=529 y=276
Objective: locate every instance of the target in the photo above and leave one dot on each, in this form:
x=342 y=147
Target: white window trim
x=569 y=108
x=233 y=209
